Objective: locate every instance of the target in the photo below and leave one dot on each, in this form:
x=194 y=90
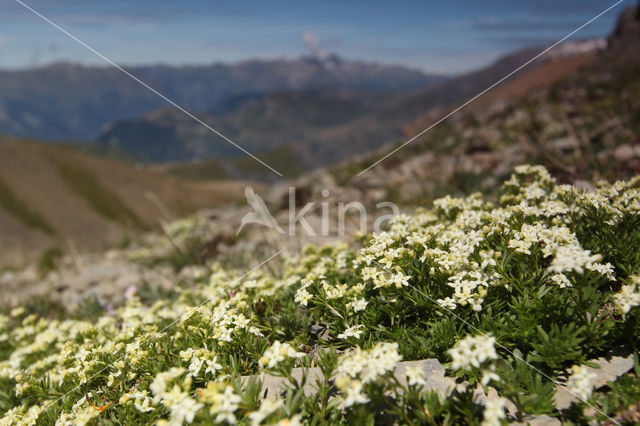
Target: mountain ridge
x=65 y=101
x=347 y=122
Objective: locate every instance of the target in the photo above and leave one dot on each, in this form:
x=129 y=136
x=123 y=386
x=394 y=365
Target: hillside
x=258 y=123
x=283 y=158
x=57 y=197
x=579 y=118
x=65 y=101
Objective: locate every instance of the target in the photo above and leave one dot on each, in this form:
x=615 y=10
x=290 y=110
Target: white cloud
x=312 y=41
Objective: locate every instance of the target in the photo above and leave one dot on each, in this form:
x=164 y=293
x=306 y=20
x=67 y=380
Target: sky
x=449 y=36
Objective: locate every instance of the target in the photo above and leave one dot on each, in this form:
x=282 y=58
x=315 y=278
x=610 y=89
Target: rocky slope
x=583 y=127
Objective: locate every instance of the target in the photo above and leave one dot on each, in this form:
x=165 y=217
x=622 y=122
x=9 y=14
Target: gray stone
x=568 y=143
x=610 y=369
x=542 y=420
x=274 y=386
x=433 y=373
x=624 y=152
x=322 y=333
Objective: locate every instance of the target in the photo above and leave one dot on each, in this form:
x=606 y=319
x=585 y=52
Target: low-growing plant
x=517 y=295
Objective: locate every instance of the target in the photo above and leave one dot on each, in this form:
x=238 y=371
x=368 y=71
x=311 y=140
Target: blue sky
x=442 y=36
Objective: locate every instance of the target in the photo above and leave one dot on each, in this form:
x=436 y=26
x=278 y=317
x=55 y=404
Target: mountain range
x=311 y=127
x=303 y=113
x=64 y=101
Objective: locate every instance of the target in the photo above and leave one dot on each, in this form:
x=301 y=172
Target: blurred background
x=319 y=91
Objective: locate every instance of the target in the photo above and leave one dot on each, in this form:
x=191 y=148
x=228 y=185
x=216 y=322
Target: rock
x=320 y=332
x=542 y=420
x=610 y=369
x=274 y=386
x=433 y=373
x=584 y=185
x=519 y=116
x=490 y=134
x=106 y=278
x=627 y=29
x=566 y=144
x=624 y=152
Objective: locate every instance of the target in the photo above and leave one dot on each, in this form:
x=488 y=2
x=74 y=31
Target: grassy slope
x=17 y=208
x=98 y=196
x=90 y=201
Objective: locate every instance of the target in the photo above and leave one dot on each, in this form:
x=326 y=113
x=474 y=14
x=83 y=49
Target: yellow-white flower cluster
x=580 y=382
x=277 y=353
x=358 y=367
x=628 y=297
x=474 y=352
x=493 y=412
x=462 y=238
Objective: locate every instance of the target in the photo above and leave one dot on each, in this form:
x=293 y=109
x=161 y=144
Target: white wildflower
x=143 y=404
x=489 y=375
x=447 y=302
x=354 y=394
x=627 y=298
x=581 y=382
x=358 y=305
x=573 y=258
x=267 y=407
x=472 y=351
x=212 y=365
x=162 y=380
x=221 y=400
x=561 y=280
x=493 y=412
x=382 y=358
x=415 y=375
x=303 y=297
x=293 y=421
x=354 y=331
x=255 y=331
x=277 y=353
x=227 y=405
x=195 y=366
